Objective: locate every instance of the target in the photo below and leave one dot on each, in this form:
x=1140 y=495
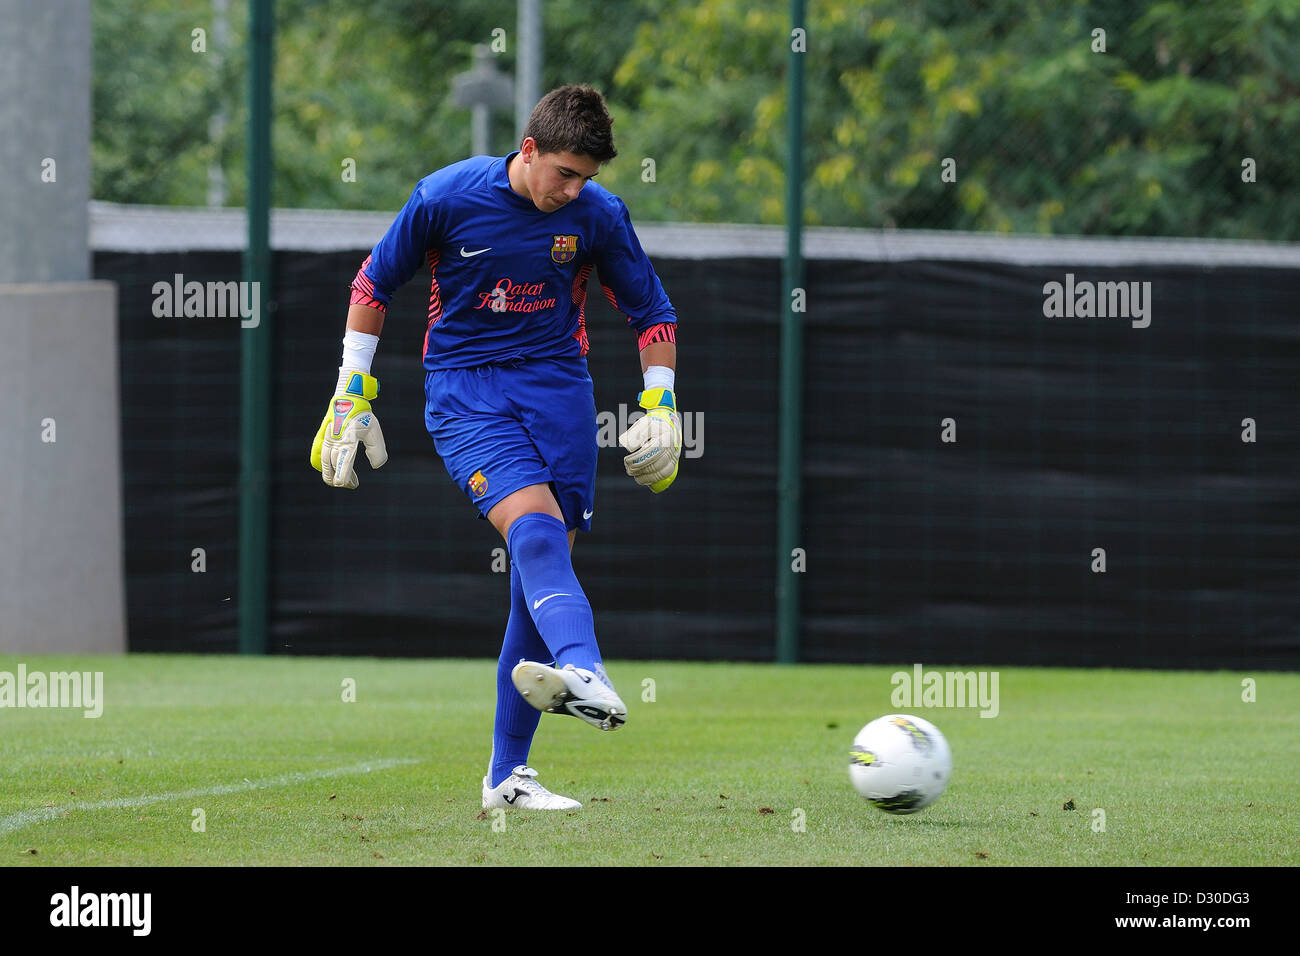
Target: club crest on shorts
x=564 y=248
x=478 y=485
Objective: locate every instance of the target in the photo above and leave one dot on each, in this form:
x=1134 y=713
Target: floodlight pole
x=255 y=350
x=790 y=462
x=481 y=89
x=528 y=69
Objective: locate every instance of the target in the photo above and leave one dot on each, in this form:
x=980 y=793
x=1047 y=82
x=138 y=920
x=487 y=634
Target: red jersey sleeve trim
x=363 y=290
x=663 y=332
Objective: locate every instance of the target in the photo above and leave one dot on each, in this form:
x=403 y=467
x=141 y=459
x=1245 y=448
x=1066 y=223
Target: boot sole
x=545 y=689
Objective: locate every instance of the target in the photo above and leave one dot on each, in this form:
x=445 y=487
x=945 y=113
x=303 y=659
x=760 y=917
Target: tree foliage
x=1045 y=132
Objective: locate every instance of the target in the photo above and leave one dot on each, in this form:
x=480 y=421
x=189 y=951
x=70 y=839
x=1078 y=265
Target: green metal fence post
x=789 y=481
x=255 y=339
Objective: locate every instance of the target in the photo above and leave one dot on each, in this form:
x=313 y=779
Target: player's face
x=555 y=179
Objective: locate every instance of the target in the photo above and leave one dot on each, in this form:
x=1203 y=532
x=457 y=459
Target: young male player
x=510 y=244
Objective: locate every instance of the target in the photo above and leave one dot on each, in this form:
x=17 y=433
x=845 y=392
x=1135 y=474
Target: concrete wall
x=44 y=140
x=61 y=583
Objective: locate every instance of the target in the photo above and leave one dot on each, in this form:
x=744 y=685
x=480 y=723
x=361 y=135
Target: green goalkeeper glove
x=348 y=422
x=655 y=440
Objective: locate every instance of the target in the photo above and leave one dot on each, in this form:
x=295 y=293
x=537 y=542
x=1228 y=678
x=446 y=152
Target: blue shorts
x=499 y=428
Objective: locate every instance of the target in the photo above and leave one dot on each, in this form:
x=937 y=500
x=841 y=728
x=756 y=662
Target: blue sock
x=539 y=548
x=516 y=719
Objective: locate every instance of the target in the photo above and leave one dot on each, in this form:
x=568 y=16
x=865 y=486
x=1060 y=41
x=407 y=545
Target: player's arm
x=654 y=442
x=350 y=421
x=663 y=354
x=365 y=319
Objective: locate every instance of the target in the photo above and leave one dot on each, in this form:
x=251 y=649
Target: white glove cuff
x=659 y=376
x=359 y=350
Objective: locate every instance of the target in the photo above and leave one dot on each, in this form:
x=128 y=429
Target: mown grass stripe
x=25 y=818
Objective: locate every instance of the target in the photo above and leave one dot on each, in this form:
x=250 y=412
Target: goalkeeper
x=510 y=243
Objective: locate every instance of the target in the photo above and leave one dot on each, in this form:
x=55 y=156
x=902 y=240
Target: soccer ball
x=900 y=763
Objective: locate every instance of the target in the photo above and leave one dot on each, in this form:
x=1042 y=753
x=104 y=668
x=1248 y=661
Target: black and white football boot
x=571 y=690
x=521 y=791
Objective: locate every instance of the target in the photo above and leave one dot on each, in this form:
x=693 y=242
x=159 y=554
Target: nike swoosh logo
x=540 y=601
x=517 y=794
x=586 y=515
x=476 y=252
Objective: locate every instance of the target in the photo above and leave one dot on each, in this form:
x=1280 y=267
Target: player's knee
x=537 y=537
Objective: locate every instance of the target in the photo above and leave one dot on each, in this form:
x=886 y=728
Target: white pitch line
x=24 y=818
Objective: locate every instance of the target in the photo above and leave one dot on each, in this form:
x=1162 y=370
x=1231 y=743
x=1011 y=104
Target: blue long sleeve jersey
x=508 y=280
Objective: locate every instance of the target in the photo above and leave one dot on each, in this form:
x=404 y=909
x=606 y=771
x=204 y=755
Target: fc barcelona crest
x=478 y=484
x=564 y=248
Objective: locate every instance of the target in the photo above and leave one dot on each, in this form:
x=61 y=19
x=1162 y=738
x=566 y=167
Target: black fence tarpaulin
x=971 y=465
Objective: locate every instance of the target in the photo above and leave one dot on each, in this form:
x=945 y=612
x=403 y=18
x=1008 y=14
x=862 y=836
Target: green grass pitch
x=729 y=764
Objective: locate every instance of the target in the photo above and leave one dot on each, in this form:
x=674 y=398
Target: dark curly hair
x=573 y=119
